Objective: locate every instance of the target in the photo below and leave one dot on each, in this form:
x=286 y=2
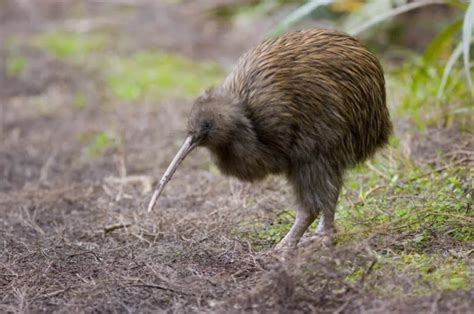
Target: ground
x=94 y=98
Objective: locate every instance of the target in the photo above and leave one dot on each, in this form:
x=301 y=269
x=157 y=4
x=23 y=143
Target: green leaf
x=466 y=42
x=460 y=4
x=391 y=13
x=442 y=40
x=449 y=66
x=298 y=15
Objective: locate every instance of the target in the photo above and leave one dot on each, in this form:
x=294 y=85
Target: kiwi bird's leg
x=189 y=144
x=326 y=222
x=328 y=193
x=303 y=220
x=316 y=185
x=325 y=230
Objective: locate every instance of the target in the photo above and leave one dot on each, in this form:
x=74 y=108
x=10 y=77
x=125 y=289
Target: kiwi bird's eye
x=206 y=125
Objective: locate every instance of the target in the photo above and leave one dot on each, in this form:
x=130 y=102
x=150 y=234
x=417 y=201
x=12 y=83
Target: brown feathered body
x=308 y=104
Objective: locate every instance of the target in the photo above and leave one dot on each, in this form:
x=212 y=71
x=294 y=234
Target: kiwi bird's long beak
x=189 y=144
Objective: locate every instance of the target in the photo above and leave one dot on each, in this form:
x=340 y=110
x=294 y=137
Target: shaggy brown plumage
x=308 y=105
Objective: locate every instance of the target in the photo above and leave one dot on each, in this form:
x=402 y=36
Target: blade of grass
x=449 y=66
x=297 y=15
x=391 y=13
x=466 y=42
x=443 y=39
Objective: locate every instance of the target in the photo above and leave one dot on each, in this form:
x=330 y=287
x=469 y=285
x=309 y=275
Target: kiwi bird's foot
x=284 y=250
x=286 y=244
x=302 y=221
x=326 y=239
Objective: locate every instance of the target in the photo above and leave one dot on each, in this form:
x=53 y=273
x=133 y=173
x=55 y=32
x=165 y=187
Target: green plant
x=252 y=9
x=464 y=48
x=445 y=273
x=299 y=14
x=79 y=100
x=16 y=65
x=385 y=11
x=71 y=44
x=100 y=142
x=157 y=75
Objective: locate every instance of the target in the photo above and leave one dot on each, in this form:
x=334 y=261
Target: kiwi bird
x=308 y=105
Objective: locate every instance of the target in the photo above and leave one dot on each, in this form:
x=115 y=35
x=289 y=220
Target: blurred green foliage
x=75 y=45
x=144 y=75
x=415 y=85
x=99 y=142
x=439 y=272
x=154 y=75
x=251 y=9
x=363 y=15
x=359 y=17
x=80 y=100
x=16 y=64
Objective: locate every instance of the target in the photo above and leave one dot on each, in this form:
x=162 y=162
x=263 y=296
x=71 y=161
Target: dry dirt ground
x=74 y=233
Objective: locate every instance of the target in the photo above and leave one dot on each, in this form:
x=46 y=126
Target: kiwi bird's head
x=216 y=119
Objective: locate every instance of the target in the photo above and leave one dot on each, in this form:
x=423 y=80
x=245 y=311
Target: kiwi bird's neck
x=240 y=156
x=244 y=156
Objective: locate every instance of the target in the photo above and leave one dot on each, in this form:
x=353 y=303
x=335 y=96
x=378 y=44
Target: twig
x=434 y=305
x=377 y=171
x=460 y=161
x=343 y=306
x=51 y=294
x=29 y=221
x=410 y=223
x=367 y=273
x=114 y=227
x=375 y=229
x=440 y=169
x=362 y=199
x=252 y=254
x=123 y=173
x=86 y=252
x=154 y=286
x=45 y=169
x=459 y=152
x=145 y=181
x=452 y=215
